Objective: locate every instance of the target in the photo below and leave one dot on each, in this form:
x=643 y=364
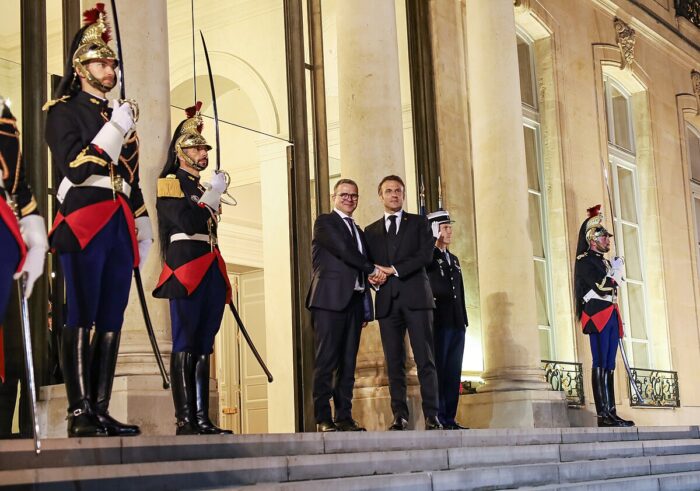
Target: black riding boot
x=182 y=384
x=600 y=398
x=609 y=384
x=201 y=376
x=104 y=349
x=75 y=352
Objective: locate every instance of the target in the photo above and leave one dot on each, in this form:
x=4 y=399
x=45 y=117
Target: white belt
x=183 y=236
x=118 y=184
x=593 y=295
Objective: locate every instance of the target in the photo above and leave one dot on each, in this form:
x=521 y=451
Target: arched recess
x=636 y=83
x=534 y=22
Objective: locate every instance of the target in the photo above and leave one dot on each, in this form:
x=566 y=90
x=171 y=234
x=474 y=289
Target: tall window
x=628 y=233
x=536 y=197
x=692 y=138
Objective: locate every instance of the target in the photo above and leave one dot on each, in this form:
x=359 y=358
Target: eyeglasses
x=348 y=196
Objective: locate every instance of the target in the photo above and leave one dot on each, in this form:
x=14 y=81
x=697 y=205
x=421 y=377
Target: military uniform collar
x=183 y=173
x=92 y=100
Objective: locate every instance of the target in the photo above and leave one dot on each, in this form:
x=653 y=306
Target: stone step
x=573 y=443
x=448 y=469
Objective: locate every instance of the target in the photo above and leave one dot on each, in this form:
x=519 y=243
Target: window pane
x=640 y=354
x=625 y=182
x=621 y=121
x=533 y=181
x=536 y=225
x=545 y=344
x=636 y=324
x=694 y=155
x=527 y=90
x=541 y=293
x=633 y=262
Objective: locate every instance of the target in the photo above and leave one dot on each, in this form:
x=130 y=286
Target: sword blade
x=629 y=371
x=213 y=101
x=120 y=53
x=28 y=360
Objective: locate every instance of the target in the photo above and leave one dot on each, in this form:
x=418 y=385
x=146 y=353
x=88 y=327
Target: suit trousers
x=449 y=350
x=336 y=339
x=419 y=324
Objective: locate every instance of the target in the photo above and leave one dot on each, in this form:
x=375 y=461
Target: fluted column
x=371 y=147
x=514 y=381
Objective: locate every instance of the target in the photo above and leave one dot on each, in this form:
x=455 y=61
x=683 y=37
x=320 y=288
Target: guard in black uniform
x=23 y=246
x=102 y=230
x=595 y=282
x=450 y=318
x=194 y=273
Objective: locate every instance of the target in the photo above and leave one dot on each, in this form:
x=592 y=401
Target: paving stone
x=603 y=469
x=404 y=482
x=588 y=435
x=671 y=447
x=511 y=436
x=667 y=432
x=372 y=441
x=59 y=452
x=675 y=463
x=495 y=477
x=489 y=456
x=600 y=450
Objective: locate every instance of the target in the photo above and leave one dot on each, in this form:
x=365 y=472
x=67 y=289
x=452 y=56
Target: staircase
x=647 y=458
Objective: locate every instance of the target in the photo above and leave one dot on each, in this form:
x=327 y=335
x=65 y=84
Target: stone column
x=515 y=393
x=371 y=147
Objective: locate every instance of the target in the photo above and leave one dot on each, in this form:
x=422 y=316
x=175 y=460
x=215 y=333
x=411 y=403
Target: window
x=692 y=138
x=536 y=197
x=627 y=229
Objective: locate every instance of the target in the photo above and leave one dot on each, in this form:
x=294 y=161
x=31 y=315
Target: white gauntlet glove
x=111 y=137
x=617 y=269
x=144 y=237
x=212 y=196
x=34 y=235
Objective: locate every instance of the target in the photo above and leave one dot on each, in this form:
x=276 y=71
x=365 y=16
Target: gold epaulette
x=581 y=256
x=169 y=187
x=53 y=102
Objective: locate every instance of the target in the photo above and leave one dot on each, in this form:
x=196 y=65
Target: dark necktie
x=351 y=224
x=391 y=237
x=447 y=258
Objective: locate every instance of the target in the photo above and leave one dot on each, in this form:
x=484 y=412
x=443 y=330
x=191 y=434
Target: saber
x=213 y=100
x=620 y=341
x=137 y=273
x=250 y=341
x=28 y=360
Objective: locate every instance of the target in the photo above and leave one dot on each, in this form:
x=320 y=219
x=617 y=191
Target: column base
x=514 y=409
x=136 y=399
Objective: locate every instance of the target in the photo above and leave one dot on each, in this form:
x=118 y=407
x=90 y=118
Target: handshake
x=380 y=275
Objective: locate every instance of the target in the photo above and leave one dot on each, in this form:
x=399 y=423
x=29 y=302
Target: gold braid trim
x=140 y=211
x=601 y=286
x=5 y=168
x=53 y=102
x=84 y=159
x=30 y=207
x=169 y=187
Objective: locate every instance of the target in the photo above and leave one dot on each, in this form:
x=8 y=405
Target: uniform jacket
x=337 y=262
x=448 y=291
x=591 y=279
x=186 y=261
x=412 y=253
x=71 y=124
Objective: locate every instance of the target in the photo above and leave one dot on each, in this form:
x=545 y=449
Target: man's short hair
x=390 y=178
x=345 y=181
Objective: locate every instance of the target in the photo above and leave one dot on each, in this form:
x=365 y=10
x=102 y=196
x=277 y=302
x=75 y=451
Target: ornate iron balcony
x=566 y=377
x=690 y=9
x=659 y=388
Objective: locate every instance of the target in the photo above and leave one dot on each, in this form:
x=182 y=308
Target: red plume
x=593 y=211
x=90 y=16
x=192 y=110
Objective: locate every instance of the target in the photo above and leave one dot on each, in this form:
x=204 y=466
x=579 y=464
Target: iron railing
x=566 y=377
x=659 y=388
x=690 y=9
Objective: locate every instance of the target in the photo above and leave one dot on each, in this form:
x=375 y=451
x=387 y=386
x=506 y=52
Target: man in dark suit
x=340 y=306
x=445 y=276
x=403 y=244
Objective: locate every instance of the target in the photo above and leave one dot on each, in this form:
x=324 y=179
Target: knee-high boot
x=182 y=384
x=609 y=383
x=600 y=398
x=75 y=353
x=201 y=376
x=104 y=349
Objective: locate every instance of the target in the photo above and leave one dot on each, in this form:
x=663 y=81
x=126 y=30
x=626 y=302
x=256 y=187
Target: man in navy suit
x=340 y=306
x=403 y=244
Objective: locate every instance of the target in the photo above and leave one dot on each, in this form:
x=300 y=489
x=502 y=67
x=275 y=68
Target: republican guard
x=194 y=274
x=102 y=230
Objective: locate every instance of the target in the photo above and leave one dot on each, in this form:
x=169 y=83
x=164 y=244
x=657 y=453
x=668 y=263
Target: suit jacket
x=412 y=253
x=336 y=265
x=448 y=291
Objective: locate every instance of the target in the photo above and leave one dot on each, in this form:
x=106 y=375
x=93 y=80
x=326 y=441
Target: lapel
x=342 y=226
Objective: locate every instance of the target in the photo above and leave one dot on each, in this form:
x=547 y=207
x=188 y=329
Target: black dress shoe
x=399 y=424
x=348 y=425
x=326 y=426
x=454 y=426
x=115 y=428
x=432 y=423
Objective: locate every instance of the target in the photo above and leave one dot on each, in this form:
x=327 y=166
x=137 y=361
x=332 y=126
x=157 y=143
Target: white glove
x=144 y=236
x=34 y=235
x=617 y=269
x=212 y=196
x=218 y=182
x=123 y=117
x=111 y=136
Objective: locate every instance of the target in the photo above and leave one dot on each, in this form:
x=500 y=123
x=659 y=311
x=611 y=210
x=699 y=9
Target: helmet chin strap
x=189 y=160
x=91 y=79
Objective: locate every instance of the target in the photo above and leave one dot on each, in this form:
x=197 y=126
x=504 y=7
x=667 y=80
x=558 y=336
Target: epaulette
x=169 y=187
x=581 y=256
x=53 y=102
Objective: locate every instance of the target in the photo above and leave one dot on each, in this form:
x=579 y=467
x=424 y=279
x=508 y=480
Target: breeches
x=98 y=278
x=604 y=344
x=196 y=318
x=8 y=265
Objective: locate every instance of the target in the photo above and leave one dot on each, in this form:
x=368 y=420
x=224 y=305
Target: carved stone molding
x=626 y=37
x=695 y=79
